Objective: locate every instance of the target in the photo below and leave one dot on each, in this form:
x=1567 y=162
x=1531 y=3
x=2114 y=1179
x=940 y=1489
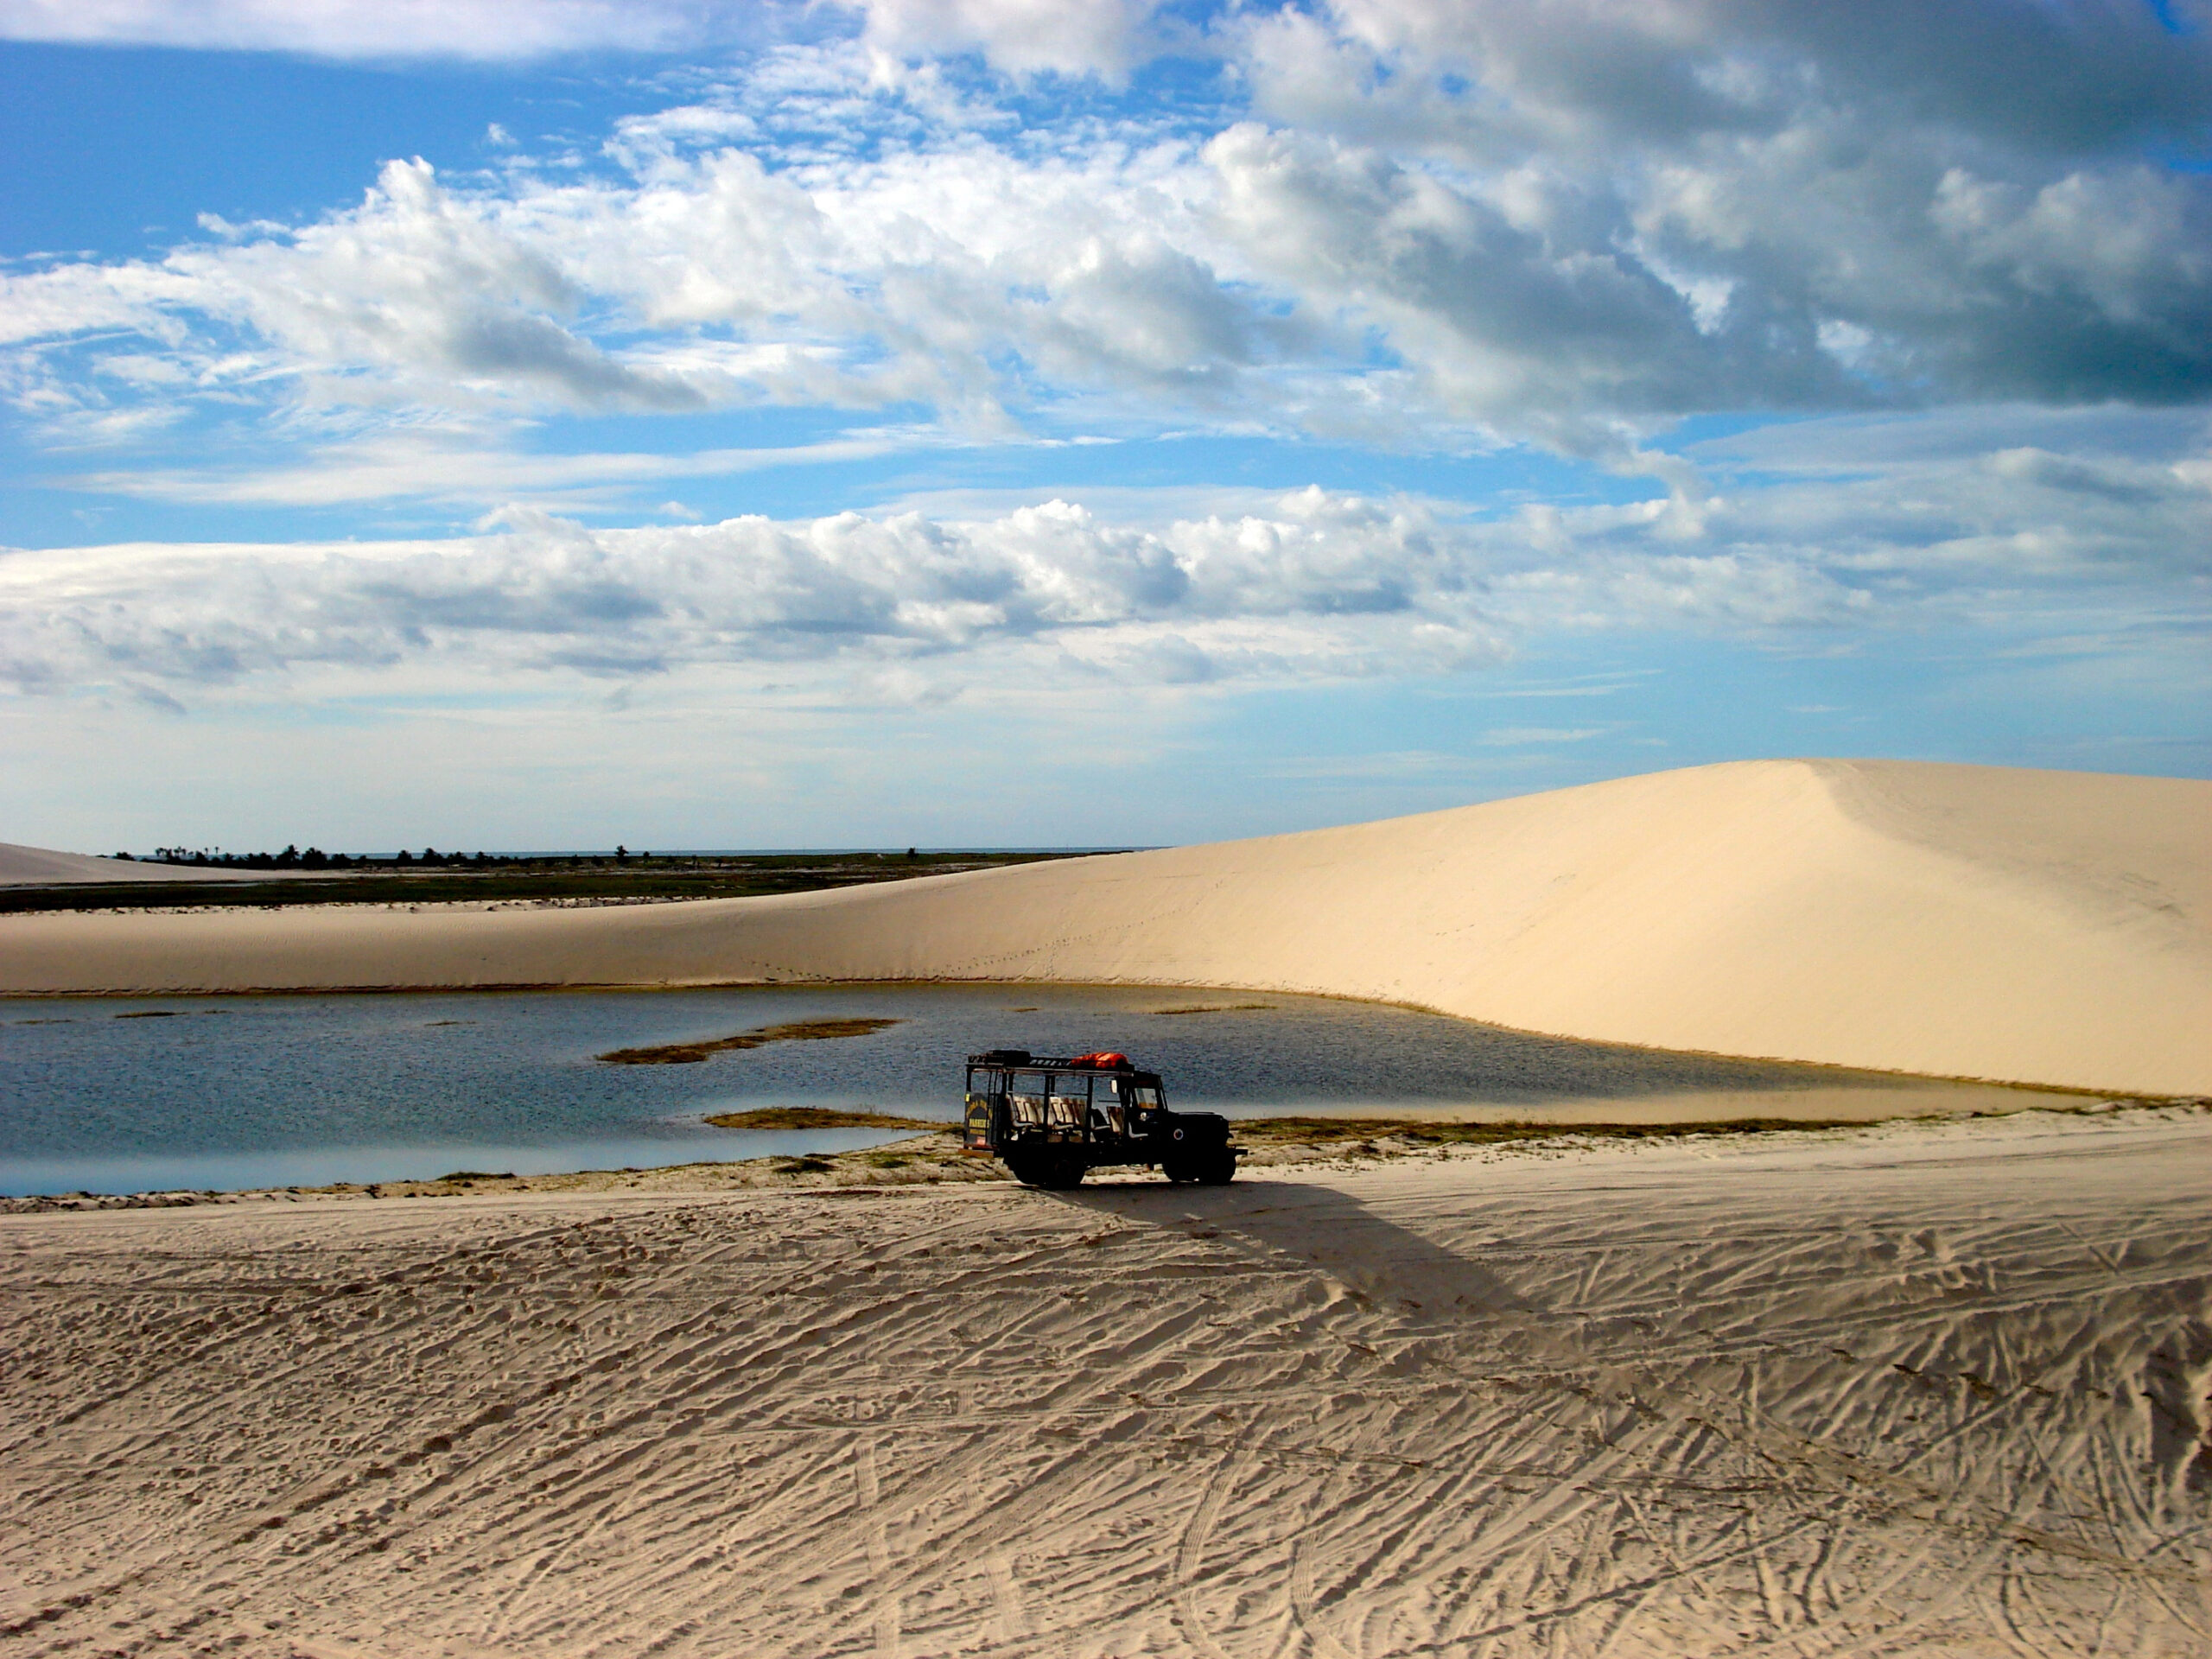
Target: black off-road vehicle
x=1054 y=1121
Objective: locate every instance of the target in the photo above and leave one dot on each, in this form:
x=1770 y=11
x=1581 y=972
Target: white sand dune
x=1915 y=1391
x=1956 y=921
x=39 y=867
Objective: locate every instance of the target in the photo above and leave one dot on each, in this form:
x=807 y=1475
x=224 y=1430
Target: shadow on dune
x=1298 y=1226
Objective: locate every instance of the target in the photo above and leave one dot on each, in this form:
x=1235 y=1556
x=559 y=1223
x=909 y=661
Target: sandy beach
x=2037 y=927
x=1933 y=1387
x=1911 y=1389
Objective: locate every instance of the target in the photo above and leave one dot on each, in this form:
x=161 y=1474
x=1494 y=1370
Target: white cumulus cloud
x=1406 y=224
x=1047 y=596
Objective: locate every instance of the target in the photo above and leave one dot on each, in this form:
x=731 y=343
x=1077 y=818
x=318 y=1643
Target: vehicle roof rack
x=1022 y=1059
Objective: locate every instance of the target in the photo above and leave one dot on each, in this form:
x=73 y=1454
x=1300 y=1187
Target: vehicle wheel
x=1218 y=1170
x=1179 y=1171
x=1064 y=1174
x=1048 y=1174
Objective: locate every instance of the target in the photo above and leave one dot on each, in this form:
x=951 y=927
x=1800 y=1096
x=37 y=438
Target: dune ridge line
x=2021 y=926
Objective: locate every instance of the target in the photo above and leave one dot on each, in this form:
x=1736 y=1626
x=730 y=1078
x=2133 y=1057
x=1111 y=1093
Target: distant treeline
x=315 y=859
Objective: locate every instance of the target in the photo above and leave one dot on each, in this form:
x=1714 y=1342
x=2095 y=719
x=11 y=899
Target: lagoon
x=112 y=1095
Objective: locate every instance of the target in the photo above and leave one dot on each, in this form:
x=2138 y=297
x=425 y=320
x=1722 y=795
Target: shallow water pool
x=114 y=1095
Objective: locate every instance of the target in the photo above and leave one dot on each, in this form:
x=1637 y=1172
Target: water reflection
x=111 y=1094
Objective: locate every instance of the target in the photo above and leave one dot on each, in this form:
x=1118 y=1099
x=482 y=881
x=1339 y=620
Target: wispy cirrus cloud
x=461 y=468
x=1098 y=37
x=494 y=31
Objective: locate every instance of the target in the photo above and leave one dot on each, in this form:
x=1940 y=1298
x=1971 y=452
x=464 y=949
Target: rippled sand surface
x=1920 y=1389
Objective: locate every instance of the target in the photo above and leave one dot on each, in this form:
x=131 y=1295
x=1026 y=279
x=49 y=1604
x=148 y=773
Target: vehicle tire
x=1181 y=1171
x=1218 y=1170
x=1064 y=1174
x=1048 y=1174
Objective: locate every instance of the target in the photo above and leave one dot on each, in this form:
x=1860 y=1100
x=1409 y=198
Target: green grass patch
x=815 y=1117
x=568 y=876
x=797 y=1030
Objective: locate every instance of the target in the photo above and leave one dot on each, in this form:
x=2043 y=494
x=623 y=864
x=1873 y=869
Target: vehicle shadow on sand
x=1317 y=1228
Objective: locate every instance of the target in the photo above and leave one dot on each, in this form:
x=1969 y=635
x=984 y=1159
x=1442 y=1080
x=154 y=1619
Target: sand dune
x=38 y=867
x=1958 y=921
x=1912 y=1391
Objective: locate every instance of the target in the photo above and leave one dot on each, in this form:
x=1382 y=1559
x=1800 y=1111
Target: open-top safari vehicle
x=1054 y=1121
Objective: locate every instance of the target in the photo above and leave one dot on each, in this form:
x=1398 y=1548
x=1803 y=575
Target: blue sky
x=991 y=422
